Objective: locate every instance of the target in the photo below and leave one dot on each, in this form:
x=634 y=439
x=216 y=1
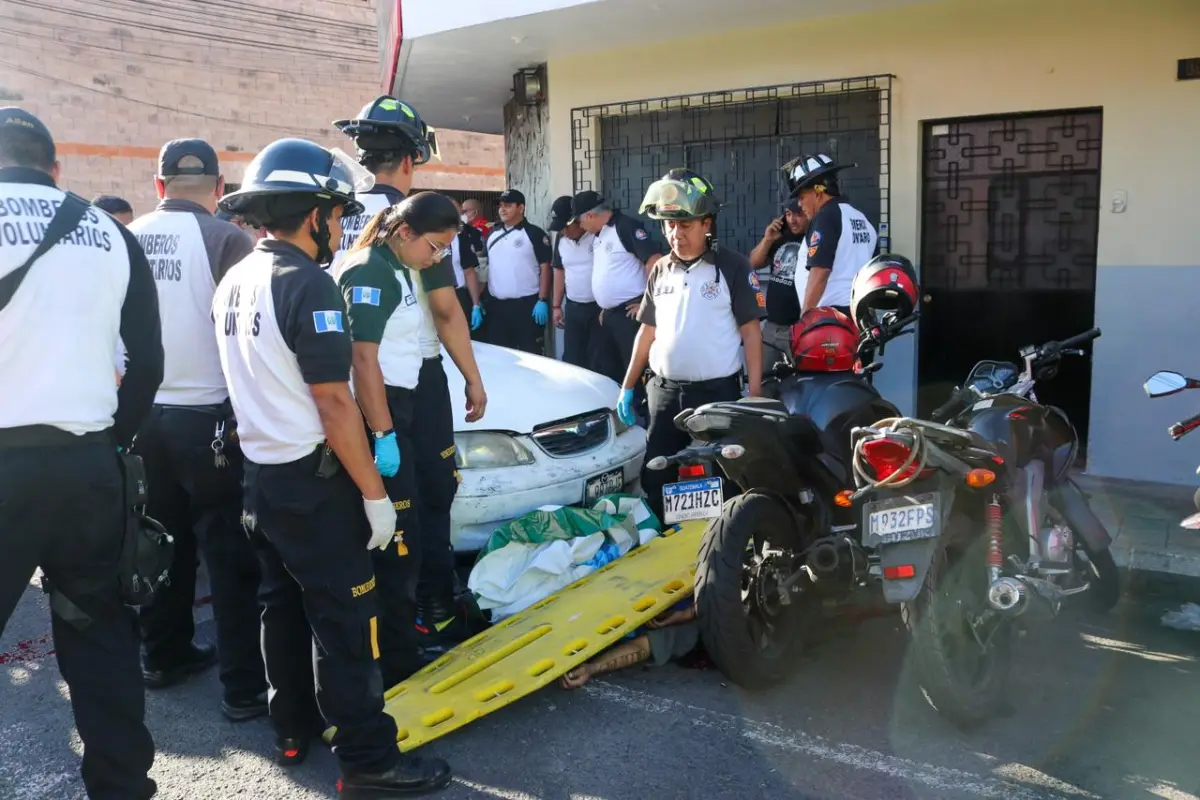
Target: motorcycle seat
x=764 y=403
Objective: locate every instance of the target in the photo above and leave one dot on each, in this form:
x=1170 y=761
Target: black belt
x=622 y=305
x=215 y=408
x=49 y=436
x=706 y=384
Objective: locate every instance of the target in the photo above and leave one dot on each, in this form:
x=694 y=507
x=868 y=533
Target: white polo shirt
x=696 y=312
x=840 y=239
x=574 y=258
x=515 y=258
x=619 y=267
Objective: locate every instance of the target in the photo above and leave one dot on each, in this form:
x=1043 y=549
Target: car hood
x=525 y=390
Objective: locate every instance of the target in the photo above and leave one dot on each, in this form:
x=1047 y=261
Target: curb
x=1148 y=583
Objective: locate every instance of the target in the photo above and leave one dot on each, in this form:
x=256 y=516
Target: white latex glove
x=382 y=518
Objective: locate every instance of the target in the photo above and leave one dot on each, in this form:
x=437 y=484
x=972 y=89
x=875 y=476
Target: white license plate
x=687 y=500
x=902 y=523
x=610 y=482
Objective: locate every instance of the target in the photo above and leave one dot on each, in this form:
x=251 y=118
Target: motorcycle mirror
x=1162 y=384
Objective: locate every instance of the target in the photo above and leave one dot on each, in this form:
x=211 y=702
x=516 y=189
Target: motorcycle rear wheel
x=942 y=644
x=753 y=645
x=1100 y=571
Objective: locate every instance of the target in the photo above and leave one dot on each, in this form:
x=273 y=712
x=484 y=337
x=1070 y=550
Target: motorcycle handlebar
x=1082 y=338
x=1181 y=429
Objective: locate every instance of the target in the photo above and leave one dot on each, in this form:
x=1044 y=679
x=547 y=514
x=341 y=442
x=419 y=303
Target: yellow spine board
x=537 y=646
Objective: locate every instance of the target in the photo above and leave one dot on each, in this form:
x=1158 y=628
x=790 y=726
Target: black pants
x=61 y=508
x=582 y=342
x=437 y=483
x=201 y=503
x=617 y=334
x=464 y=300
x=665 y=399
x=320 y=609
x=398 y=566
x=509 y=323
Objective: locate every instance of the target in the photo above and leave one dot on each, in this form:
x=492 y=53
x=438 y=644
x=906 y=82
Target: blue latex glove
x=541 y=312
x=476 y=317
x=625 y=407
x=387 y=455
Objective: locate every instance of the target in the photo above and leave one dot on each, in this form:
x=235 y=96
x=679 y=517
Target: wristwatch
x=383 y=434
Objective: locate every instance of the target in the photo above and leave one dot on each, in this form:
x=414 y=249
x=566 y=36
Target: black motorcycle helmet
x=293 y=176
x=812 y=172
x=387 y=126
x=884 y=289
x=680 y=194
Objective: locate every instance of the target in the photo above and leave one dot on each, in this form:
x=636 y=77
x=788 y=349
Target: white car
x=550 y=437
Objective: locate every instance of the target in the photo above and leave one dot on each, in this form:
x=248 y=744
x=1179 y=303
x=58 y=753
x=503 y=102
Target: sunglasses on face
x=440 y=251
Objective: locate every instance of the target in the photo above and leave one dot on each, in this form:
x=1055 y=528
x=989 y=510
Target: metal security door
x=1010 y=221
x=738 y=139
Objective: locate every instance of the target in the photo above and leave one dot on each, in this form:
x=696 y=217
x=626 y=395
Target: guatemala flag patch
x=327 y=321
x=365 y=295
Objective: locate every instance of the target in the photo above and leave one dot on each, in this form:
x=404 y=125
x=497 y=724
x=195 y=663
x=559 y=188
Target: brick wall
x=114 y=80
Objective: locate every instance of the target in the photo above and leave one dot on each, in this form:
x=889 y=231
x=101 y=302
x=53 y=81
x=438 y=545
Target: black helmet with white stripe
x=810 y=171
x=291 y=177
x=390 y=126
x=680 y=194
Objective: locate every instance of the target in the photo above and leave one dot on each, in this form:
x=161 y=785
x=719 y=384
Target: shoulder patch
x=812 y=251
x=754 y=282
x=814 y=239
x=546 y=240
x=640 y=234
x=327 y=322
x=365 y=295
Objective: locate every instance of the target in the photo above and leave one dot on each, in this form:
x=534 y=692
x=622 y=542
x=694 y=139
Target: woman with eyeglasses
x=386 y=316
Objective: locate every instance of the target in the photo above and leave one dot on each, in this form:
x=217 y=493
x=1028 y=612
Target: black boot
x=197 y=658
x=411 y=776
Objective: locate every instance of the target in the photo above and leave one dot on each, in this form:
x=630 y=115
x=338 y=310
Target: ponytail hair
x=423 y=212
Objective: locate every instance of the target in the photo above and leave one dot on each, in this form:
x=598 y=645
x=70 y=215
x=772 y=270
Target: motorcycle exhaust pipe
x=824 y=558
x=1008 y=596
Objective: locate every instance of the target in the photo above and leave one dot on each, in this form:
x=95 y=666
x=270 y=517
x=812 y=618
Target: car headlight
x=486 y=450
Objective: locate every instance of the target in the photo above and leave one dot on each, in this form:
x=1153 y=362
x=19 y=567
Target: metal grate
x=1012 y=202
x=574 y=436
x=738 y=139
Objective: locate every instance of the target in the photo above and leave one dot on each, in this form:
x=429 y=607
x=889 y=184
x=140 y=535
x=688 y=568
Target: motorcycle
x=1164 y=384
x=977 y=523
x=790 y=538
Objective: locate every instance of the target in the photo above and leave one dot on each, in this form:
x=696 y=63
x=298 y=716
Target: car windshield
x=992 y=377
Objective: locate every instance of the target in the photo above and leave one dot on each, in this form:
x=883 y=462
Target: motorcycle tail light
x=887 y=456
x=979 y=478
x=693 y=471
x=899 y=572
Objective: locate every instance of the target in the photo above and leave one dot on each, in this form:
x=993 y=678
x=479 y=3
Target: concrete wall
x=113 y=81
x=968 y=58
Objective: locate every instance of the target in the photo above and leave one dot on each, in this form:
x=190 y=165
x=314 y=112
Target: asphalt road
x=1104 y=706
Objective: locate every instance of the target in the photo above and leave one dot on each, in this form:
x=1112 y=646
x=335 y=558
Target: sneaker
x=197 y=659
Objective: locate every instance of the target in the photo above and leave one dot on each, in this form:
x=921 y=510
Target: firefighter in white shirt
x=518 y=287
x=701 y=307
x=575 y=311
x=840 y=238
x=315 y=501
x=62 y=498
x=192 y=459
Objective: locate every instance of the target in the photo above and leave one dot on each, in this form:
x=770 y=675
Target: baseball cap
x=176 y=150
x=560 y=214
x=584 y=202
x=512 y=196
x=12 y=117
x=793 y=205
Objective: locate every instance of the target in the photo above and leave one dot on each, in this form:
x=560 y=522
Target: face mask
x=465 y=217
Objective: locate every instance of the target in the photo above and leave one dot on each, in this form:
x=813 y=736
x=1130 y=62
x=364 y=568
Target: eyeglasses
x=440 y=251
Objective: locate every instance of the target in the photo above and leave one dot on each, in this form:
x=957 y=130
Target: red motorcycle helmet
x=885 y=285
x=824 y=340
